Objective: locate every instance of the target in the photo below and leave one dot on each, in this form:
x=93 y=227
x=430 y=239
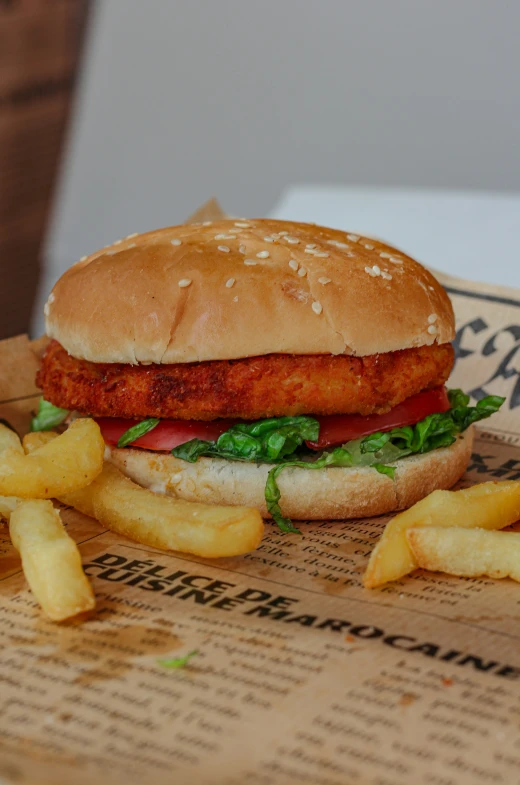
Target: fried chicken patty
x=252 y=388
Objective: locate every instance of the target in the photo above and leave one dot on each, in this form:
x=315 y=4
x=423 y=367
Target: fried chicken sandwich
x=280 y=365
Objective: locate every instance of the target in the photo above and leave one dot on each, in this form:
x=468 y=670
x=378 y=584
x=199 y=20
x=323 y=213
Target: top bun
x=240 y=288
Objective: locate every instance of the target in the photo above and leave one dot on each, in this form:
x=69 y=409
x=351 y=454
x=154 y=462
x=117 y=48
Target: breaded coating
x=253 y=388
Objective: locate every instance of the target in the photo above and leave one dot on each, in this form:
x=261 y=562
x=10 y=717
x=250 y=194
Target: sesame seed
x=223 y=248
x=431 y=288
x=235 y=299
x=184 y=282
x=176 y=241
x=317 y=307
x=322 y=254
x=353 y=237
x=370 y=272
x=432 y=318
x=250 y=262
x=242 y=224
x=83 y=258
x=311 y=245
x=293 y=264
x=395 y=260
x=385 y=255
x=386 y=275
x=302 y=272
x=268 y=240
x=323 y=280
x=129 y=236
x=230 y=282
x=225 y=237
x=51 y=298
x=337 y=244
x=263 y=255
x=117 y=242
x=376 y=269
x=310 y=250
x=432 y=329
x=283 y=234
x=46 y=309
x=242 y=249
x=369 y=247
x=292 y=240
x=207 y=223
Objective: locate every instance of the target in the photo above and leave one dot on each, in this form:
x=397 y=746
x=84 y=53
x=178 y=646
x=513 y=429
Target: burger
x=281 y=365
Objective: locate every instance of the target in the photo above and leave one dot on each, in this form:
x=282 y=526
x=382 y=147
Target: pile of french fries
x=455 y=532
x=70 y=467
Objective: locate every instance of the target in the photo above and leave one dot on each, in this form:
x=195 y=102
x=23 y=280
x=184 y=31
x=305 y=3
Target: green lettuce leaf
x=176 y=663
x=383 y=469
x=136 y=431
x=436 y=430
x=265 y=441
x=279 y=441
x=47 y=416
x=338 y=457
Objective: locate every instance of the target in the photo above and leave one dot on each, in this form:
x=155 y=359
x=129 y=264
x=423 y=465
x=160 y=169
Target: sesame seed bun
x=328 y=494
x=233 y=289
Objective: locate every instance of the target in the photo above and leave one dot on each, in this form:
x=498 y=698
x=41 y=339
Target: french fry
x=161 y=521
x=469 y=553
x=490 y=505
x=9 y=440
x=83 y=500
x=68 y=462
x=8 y=505
x=51 y=560
x=166 y=523
x=36 y=439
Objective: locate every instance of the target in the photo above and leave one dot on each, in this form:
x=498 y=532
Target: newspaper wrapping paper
x=301 y=675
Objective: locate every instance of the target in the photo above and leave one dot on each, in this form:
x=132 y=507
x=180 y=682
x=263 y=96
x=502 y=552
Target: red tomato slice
x=334 y=429
x=166 y=435
x=340 y=428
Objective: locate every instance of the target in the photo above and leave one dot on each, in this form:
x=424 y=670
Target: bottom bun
x=325 y=494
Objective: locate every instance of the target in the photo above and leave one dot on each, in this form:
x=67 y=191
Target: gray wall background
x=183 y=99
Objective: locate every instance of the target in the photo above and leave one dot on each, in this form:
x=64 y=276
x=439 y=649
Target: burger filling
x=253 y=388
x=285 y=410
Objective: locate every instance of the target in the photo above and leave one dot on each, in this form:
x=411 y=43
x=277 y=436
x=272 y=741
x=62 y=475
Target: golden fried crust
x=253 y=388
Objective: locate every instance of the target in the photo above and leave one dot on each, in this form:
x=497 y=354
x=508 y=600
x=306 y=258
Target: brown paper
x=301 y=675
